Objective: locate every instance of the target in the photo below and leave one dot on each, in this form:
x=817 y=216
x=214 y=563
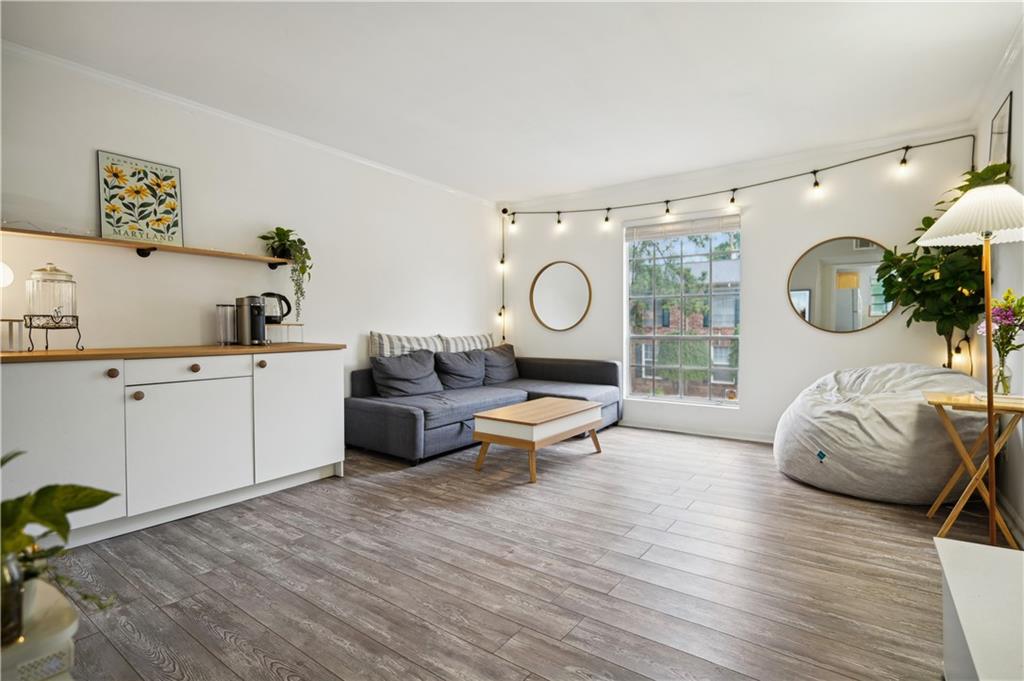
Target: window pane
x=666 y=382
x=640 y=381
x=668 y=317
x=725 y=272
x=666 y=353
x=666 y=248
x=696 y=244
x=641 y=352
x=666 y=277
x=640 y=278
x=724 y=384
x=725 y=315
x=725 y=353
x=641 y=249
x=725 y=241
x=641 y=317
x=695 y=353
x=695 y=316
x=695 y=383
x=695 y=276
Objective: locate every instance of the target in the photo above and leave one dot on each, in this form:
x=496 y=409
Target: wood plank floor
x=665 y=557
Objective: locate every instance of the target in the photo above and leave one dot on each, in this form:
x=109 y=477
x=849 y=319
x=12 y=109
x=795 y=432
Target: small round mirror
x=833 y=286
x=560 y=295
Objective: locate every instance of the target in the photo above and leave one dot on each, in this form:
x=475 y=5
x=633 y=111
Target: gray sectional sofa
x=415 y=427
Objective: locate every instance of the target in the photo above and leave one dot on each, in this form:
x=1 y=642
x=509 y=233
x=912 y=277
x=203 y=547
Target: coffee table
x=535 y=424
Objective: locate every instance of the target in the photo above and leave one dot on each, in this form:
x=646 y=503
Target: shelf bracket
x=274 y=265
x=144 y=252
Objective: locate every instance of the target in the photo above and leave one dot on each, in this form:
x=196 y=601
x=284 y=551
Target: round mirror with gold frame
x=833 y=285
x=560 y=295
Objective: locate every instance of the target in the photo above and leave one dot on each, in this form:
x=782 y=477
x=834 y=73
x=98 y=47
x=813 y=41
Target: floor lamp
x=983 y=216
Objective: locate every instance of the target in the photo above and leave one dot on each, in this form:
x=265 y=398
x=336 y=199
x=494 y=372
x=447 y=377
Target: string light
x=607 y=216
x=903 y=163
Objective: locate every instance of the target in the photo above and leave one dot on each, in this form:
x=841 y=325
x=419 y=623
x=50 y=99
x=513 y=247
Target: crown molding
x=11 y=48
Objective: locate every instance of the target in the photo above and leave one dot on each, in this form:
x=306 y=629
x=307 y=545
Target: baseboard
x=118 y=526
x=759 y=438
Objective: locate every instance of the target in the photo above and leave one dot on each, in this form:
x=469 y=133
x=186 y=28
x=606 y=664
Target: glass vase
x=1001 y=379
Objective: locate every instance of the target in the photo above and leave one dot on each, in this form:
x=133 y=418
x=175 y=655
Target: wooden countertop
x=164 y=351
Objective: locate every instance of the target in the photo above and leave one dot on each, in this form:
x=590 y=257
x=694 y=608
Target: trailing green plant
x=943 y=285
x=282 y=242
x=47 y=507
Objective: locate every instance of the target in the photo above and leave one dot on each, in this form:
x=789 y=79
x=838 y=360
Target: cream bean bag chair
x=869 y=433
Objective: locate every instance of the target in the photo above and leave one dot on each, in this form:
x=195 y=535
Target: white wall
x=1008 y=259
x=779 y=353
x=391 y=252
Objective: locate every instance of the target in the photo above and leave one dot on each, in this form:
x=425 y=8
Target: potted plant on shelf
x=1007 y=322
x=941 y=285
x=24 y=560
x=282 y=242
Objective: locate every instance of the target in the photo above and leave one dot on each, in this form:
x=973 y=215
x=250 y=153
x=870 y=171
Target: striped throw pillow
x=391 y=345
x=480 y=341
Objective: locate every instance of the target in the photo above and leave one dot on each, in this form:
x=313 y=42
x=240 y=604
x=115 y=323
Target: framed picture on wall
x=801 y=299
x=999 y=133
x=139 y=200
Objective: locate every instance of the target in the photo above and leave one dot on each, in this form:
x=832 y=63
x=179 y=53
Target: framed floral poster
x=139 y=200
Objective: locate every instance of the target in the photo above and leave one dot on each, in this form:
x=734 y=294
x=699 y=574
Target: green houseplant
x=282 y=242
x=944 y=286
x=23 y=558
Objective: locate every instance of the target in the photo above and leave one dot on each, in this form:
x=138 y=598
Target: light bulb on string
x=817 y=184
x=667 y=211
x=512 y=224
x=607 y=219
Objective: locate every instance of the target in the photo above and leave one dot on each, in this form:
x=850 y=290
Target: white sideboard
x=171 y=435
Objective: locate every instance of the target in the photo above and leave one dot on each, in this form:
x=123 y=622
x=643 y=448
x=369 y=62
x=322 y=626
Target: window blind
x=664 y=230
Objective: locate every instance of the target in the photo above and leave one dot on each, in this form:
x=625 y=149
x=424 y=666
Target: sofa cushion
x=411 y=374
x=392 y=345
x=500 y=364
x=605 y=394
x=454 y=406
x=460 y=369
x=481 y=341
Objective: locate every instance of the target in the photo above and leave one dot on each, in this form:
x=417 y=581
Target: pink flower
x=1003 y=315
x=982 y=330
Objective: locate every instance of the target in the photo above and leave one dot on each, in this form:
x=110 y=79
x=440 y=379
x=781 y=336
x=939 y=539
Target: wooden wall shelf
x=144 y=249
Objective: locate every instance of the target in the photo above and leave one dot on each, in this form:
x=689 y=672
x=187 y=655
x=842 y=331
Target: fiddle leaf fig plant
x=282 y=242
x=942 y=285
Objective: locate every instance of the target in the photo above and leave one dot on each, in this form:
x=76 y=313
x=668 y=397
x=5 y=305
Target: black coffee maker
x=251 y=320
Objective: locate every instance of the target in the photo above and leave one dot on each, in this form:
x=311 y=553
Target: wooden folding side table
x=968 y=402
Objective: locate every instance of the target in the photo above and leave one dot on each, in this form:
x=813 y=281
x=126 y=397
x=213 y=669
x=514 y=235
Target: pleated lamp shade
x=997 y=210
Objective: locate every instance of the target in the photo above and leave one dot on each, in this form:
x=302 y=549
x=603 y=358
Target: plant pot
x=12 y=601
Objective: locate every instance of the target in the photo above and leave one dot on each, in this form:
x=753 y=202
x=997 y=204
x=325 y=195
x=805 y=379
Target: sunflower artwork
x=139 y=200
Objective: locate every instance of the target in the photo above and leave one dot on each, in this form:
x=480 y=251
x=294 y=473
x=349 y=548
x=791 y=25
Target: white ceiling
x=515 y=101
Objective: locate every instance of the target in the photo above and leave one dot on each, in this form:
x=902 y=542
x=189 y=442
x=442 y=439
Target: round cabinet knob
x=262 y=364
x=113 y=373
x=138 y=395
x=195 y=368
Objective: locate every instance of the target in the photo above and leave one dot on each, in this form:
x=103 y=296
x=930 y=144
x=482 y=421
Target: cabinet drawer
x=173 y=369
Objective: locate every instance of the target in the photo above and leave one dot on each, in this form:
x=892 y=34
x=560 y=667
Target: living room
x=508 y=341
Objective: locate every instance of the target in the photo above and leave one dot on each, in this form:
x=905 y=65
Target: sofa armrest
x=383 y=426
x=595 y=371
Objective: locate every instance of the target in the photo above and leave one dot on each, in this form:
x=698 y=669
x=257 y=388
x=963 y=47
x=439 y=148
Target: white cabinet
x=187 y=440
x=69 y=416
x=298 y=406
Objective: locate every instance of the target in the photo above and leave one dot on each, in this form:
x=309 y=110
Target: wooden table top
x=146 y=352
x=969 y=402
x=535 y=412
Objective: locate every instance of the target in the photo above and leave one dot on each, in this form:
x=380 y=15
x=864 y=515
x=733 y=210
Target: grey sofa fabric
x=411 y=374
x=500 y=364
x=453 y=406
x=399 y=426
x=460 y=369
x=534 y=388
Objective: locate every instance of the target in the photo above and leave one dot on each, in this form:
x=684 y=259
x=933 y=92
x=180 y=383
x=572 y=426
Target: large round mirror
x=560 y=295
x=833 y=286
